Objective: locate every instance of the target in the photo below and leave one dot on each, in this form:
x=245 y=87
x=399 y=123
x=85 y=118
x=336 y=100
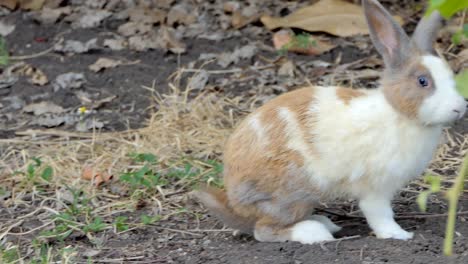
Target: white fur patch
x=295 y=138
x=366 y=145
x=326 y=222
x=310 y=232
x=256 y=125
x=446 y=104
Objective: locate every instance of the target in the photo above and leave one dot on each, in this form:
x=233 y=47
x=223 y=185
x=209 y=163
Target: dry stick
x=32 y=56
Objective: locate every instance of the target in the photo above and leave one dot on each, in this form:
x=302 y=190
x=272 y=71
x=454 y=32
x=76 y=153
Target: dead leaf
x=69 y=80
x=245 y=52
x=104 y=63
x=147 y=16
x=89 y=124
x=36 y=75
x=91 y=18
x=336 y=17
x=169 y=41
x=10 y=4
x=182 y=14
x=115 y=44
x=245 y=16
x=199 y=80
x=6 y=28
x=164 y=3
x=91 y=174
x=286 y=40
x=74 y=46
x=239 y=20
x=31 y=4
x=50 y=16
x=55 y=119
x=287 y=69
x=53 y=3
x=143 y=42
x=39 y=78
x=42 y=108
x=231 y=6
x=134 y=28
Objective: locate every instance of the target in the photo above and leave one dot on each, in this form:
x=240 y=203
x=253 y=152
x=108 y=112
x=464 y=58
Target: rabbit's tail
x=216 y=201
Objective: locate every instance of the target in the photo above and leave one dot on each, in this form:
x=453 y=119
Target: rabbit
x=316 y=144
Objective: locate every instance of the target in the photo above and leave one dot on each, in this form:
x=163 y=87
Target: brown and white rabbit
x=320 y=143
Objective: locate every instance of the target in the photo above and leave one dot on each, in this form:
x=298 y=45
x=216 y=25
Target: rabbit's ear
x=426 y=31
x=388 y=37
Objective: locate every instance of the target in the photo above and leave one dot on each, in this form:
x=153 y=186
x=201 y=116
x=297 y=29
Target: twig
x=180 y=231
x=32 y=56
x=341 y=239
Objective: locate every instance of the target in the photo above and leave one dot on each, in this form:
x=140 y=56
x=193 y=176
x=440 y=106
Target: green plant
x=148 y=220
x=9 y=255
x=144 y=177
x=447 y=7
x=4 y=56
x=35 y=171
x=97 y=225
x=300 y=41
x=120 y=223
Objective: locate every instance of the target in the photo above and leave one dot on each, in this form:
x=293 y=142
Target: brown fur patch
x=267 y=168
x=403 y=91
x=348 y=94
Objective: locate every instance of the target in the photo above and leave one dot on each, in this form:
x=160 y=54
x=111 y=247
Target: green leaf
x=4 y=56
x=143 y=157
x=434 y=181
x=96 y=226
x=47 y=173
x=148 y=220
x=120 y=223
x=447 y=8
x=462 y=83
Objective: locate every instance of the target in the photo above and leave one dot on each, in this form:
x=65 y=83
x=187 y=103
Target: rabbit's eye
x=423 y=81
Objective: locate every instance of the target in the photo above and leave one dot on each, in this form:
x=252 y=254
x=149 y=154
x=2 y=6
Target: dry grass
x=186 y=133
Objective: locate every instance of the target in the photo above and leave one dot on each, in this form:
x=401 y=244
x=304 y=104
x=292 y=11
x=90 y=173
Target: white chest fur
x=365 y=145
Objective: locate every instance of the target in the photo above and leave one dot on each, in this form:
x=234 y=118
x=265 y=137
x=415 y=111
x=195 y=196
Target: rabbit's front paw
x=395 y=233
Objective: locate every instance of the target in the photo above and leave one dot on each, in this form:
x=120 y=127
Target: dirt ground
x=193 y=236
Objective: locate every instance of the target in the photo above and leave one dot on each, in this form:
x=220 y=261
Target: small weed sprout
x=4 y=55
x=300 y=41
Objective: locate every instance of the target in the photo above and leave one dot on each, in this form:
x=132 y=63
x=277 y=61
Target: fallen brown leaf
x=6 y=27
x=169 y=41
x=287 y=41
x=335 y=17
x=31 y=4
x=42 y=108
x=104 y=63
x=239 y=20
x=181 y=14
x=146 y=15
x=37 y=76
x=50 y=16
x=91 y=174
x=10 y=4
